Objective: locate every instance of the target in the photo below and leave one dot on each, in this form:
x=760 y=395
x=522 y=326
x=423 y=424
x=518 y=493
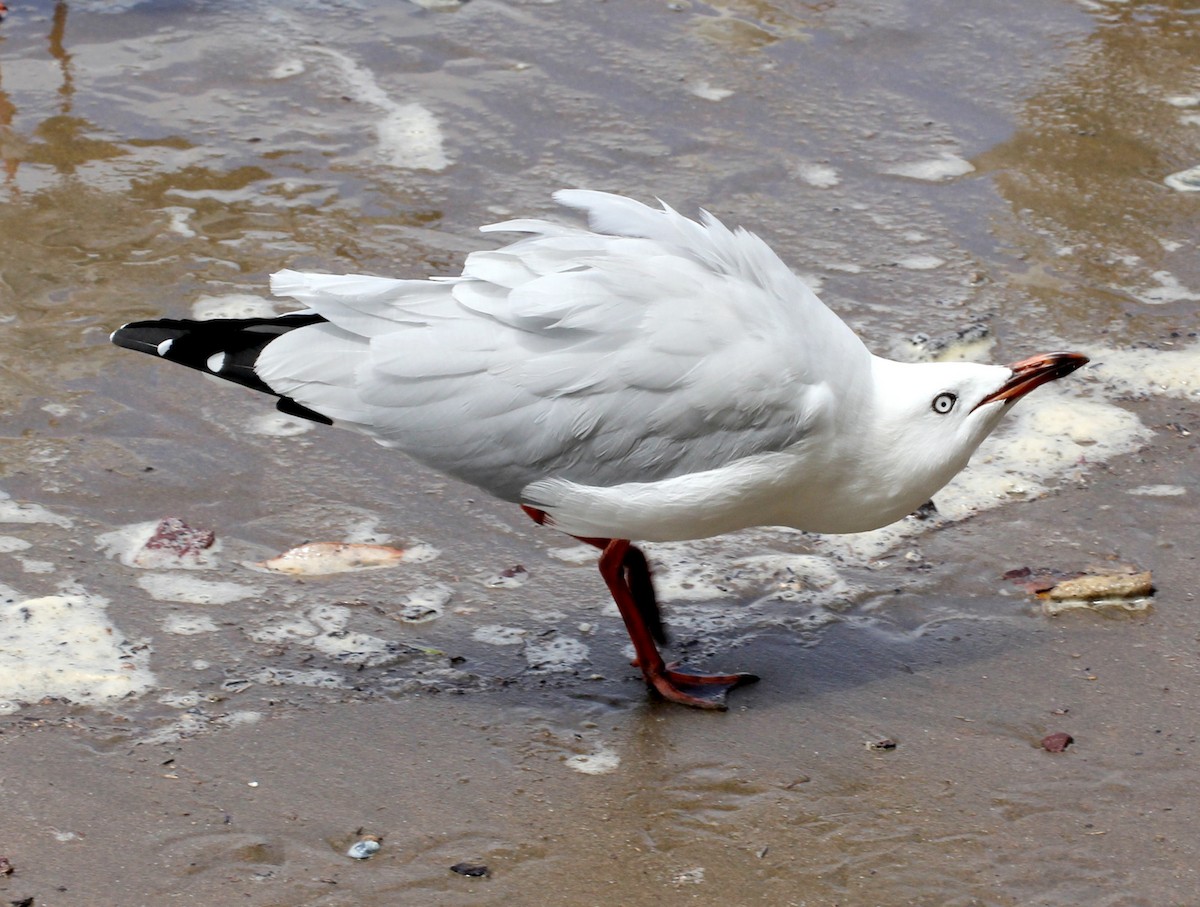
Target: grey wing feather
x=652 y=348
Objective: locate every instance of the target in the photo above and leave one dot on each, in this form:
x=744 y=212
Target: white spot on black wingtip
x=112 y=338
x=216 y=362
x=164 y=346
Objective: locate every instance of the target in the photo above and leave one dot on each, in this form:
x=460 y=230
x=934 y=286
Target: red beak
x=1034 y=372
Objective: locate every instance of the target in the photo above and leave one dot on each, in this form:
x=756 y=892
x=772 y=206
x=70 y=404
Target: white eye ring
x=943 y=403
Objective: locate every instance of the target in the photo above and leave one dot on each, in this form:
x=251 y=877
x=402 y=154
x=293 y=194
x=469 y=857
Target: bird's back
x=660 y=348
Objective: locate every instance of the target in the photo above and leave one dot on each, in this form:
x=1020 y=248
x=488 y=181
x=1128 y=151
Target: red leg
x=627 y=575
x=637 y=578
x=704 y=691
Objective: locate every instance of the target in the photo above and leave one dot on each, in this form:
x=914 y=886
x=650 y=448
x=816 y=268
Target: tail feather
x=225 y=347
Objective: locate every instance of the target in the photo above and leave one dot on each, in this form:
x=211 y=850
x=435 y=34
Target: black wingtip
x=225 y=347
x=147 y=336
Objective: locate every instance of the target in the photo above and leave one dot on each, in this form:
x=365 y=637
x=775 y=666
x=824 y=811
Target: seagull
x=647 y=377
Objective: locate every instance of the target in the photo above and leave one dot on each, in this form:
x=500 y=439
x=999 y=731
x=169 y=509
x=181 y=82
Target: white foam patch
x=944 y=167
x=32 y=565
x=1158 y=491
x=921 y=262
x=188 y=624
x=603 y=761
x=325 y=629
x=709 y=92
x=1184 y=100
x=233 y=305
x=314 y=677
x=1171 y=373
x=65 y=645
x=279 y=425
x=559 y=653
x=10 y=543
x=366 y=531
x=128 y=545
x=704 y=571
x=19 y=512
x=820 y=176
x=178 y=587
x=499 y=635
x=423 y=605
x=409 y=136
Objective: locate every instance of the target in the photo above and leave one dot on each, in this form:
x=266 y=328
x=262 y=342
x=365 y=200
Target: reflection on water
x=1085 y=170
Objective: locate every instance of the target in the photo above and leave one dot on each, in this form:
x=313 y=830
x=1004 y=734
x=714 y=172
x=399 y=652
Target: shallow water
x=991 y=186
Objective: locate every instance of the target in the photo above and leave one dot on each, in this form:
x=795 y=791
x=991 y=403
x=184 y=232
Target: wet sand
x=931 y=174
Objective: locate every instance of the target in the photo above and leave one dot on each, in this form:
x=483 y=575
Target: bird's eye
x=943 y=403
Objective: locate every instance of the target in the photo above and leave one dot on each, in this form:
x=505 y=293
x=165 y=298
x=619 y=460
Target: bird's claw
x=700 y=691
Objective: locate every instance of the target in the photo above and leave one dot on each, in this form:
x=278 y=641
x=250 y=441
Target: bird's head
x=930 y=417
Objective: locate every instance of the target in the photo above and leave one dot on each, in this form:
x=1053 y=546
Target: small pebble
x=474 y=870
x=1056 y=743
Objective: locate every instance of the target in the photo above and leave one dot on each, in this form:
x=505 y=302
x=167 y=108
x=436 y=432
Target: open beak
x=1034 y=372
